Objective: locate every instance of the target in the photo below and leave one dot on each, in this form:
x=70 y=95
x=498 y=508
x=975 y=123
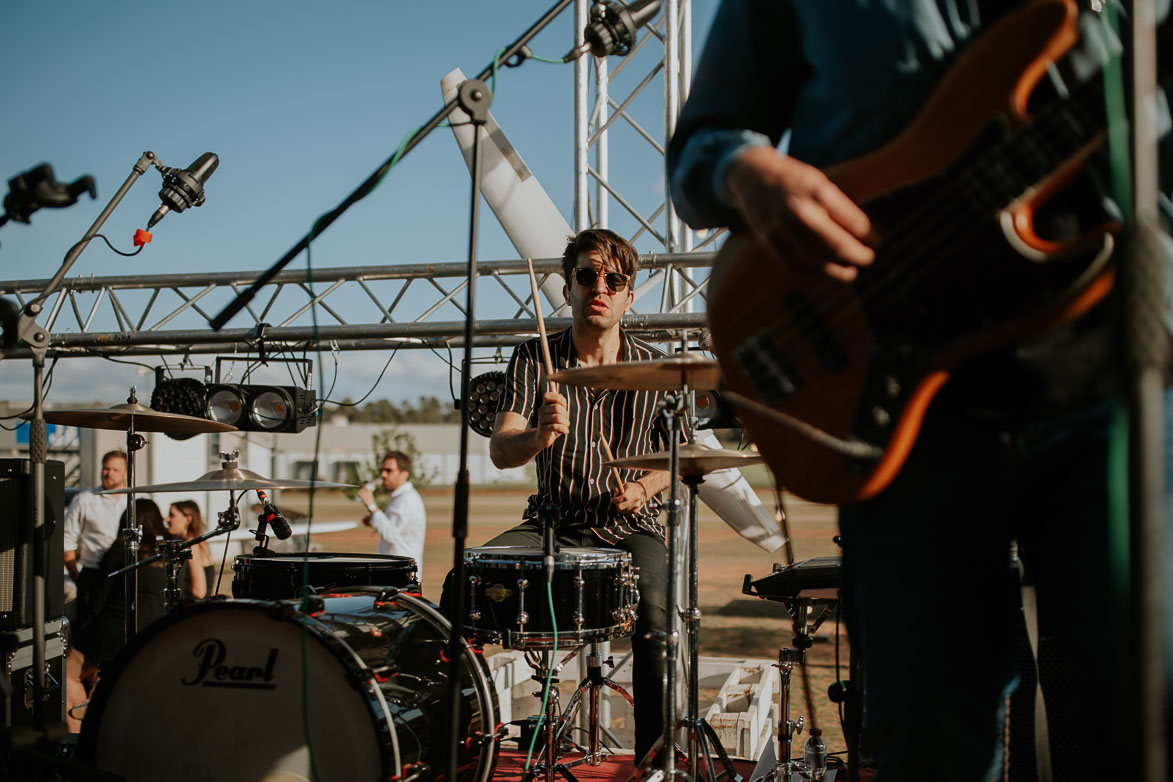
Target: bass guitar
x=832 y=380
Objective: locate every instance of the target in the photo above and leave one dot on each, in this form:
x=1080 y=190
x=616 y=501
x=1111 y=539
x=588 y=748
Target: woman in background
x=97 y=641
x=186 y=522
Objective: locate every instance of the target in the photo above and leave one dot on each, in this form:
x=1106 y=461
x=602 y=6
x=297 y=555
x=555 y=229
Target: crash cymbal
x=694 y=459
x=229 y=479
x=143 y=418
x=665 y=374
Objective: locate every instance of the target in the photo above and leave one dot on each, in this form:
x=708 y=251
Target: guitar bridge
x=768 y=368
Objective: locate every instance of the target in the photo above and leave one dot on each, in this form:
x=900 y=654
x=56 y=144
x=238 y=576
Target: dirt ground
x=732 y=624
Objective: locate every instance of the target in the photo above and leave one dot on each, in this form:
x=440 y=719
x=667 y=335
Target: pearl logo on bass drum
x=214 y=672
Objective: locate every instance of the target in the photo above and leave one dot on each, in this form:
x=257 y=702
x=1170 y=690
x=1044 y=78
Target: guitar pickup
x=771 y=372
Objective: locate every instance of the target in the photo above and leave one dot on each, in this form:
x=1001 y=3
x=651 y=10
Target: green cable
x=1120 y=173
x=549 y=676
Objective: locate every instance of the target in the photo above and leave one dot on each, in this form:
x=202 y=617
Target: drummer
x=559 y=427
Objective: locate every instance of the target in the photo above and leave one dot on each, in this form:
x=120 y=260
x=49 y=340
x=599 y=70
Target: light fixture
x=258 y=408
x=484 y=394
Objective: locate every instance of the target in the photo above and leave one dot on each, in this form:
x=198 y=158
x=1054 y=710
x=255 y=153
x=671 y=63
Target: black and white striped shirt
x=571 y=475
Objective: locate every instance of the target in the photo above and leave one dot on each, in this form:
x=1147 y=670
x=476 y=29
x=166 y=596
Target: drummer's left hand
x=631 y=499
x=365 y=496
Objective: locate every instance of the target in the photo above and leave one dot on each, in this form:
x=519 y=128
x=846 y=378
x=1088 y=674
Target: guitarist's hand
x=794 y=209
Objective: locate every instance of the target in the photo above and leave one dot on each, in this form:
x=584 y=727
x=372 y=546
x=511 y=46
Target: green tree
x=392 y=439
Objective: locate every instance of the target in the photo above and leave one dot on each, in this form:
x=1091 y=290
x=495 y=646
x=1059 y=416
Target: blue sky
x=301 y=101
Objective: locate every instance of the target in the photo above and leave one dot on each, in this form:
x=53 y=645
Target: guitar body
x=959 y=272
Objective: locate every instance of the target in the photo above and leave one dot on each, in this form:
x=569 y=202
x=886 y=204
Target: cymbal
x=228 y=479
x=665 y=374
x=693 y=459
x=143 y=418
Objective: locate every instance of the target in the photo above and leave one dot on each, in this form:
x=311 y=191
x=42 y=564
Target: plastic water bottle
x=814 y=754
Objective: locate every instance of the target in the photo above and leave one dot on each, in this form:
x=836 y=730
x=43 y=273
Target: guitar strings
x=916 y=253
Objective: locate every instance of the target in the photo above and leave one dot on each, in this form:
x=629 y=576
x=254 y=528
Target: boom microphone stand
x=33 y=336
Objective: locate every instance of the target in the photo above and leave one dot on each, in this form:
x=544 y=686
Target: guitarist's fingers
x=821 y=231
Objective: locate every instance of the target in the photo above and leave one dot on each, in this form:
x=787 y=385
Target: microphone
x=612 y=27
x=271 y=516
x=184 y=187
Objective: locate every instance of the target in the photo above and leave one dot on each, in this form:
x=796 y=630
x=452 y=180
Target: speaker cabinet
x=16 y=543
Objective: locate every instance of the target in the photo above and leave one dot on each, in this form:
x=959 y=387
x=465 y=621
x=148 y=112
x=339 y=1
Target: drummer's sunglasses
x=586 y=276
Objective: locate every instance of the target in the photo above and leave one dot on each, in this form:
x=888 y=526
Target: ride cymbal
x=665 y=374
x=692 y=459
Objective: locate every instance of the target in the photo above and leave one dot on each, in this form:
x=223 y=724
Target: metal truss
x=370 y=308
x=358 y=308
x=625 y=98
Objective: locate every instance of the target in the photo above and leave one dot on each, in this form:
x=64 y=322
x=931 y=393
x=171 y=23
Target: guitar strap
x=1030 y=614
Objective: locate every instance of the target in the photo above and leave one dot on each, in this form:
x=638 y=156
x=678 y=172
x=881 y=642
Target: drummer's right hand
x=553 y=419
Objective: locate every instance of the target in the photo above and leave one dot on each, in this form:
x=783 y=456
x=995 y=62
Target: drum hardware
x=176 y=552
x=280 y=576
x=692 y=462
x=231 y=478
x=589 y=688
x=808 y=614
x=377 y=681
x=133 y=418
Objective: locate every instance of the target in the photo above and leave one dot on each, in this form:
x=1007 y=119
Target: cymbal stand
x=176 y=552
x=702 y=739
x=785 y=769
x=131 y=534
x=673 y=408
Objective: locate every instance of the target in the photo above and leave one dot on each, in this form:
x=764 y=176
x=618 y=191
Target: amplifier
x=16 y=542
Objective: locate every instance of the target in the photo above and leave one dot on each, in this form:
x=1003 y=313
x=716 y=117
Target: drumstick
x=607 y=455
x=533 y=284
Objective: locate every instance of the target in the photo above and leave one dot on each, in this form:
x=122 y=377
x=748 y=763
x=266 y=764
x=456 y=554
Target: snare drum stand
x=542 y=661
x=590 y=687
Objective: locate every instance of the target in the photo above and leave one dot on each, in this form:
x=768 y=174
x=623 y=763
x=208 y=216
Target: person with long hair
x=99 y=639
x=186 y=522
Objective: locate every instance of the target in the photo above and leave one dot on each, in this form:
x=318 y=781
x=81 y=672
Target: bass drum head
x=222 y=691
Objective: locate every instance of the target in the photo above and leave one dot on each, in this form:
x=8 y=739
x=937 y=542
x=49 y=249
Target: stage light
x=226 y=405
x=183 y=395
x=484 y=394
x=257 y=408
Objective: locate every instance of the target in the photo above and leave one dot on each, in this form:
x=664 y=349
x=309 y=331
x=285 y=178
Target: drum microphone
x=184 y=187
x=271 y=516
x=612 y=28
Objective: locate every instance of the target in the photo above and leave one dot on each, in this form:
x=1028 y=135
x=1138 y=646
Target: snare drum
x=232 y=673
x=279 y=577
x=594 y=594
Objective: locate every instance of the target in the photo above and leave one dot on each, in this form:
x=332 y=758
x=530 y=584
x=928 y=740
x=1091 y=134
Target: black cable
x=108 y=244
x=368 y=393
x=130 y=363
x=29 y=409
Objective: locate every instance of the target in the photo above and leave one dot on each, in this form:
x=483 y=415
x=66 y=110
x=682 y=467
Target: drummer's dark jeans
x=649 y=554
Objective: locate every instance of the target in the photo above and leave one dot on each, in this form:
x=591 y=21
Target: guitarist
x=1015 y=447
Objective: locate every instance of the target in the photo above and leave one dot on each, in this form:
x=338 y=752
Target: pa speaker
x=16 y=542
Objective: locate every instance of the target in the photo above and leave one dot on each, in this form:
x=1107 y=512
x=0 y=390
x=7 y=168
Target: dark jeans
x=649 y=554
x=929 y=601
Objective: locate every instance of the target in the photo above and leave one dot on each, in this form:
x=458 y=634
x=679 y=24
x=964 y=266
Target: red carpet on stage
x=616 y=768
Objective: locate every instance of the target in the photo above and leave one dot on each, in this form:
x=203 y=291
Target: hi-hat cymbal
x=143 y=419
x=665 y=374
x=228 y=479
x=693 y=459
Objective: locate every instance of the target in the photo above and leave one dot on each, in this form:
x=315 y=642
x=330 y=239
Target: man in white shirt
x=403 y=522
x=91 y=527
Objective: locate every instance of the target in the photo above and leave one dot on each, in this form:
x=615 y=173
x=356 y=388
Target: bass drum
x=215 y=691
